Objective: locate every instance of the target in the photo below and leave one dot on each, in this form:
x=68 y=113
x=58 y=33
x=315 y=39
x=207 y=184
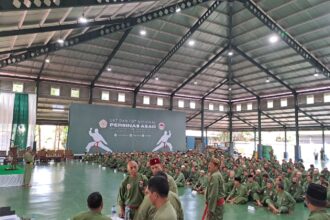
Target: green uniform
x=29 y=159
x=214 y=192
x=147 y=211
x=229 y=186
x=172 y=184
x=268 y=195
x=240 y=194
x=90 y=215
x=253 y=188
x=284 y=202
x=166 y=212
x=319 y=215
x=180 y=180
x=297 y=192
x=131 y=192
x=201 y=182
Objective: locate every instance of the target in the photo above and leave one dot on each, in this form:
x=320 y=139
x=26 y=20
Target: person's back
x=165 y=212
x=90 y=215
x=95 y=205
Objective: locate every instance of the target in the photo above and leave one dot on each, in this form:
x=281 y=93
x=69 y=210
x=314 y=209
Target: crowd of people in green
x=222 y=178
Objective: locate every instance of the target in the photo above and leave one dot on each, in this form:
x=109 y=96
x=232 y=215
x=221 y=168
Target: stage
x=12 y=177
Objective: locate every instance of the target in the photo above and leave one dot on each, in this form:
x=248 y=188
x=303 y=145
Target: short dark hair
x=161 y=174
x=94 y=200
x=159 y=185
x=281 y=186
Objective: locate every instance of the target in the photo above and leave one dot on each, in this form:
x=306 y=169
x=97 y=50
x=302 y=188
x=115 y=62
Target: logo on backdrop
x=98 y=141
x=163 y=142
x=103 y=123
x=161 y=126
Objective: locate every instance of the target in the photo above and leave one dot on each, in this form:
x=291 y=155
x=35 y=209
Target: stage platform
x=11 y=177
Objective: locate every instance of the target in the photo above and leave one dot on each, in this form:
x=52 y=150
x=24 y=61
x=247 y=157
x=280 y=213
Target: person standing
x=215 y=193
x=316 y=201
x=131 y=191
x=95 y=205
x=158 y=188
x=29 y=160
x=156 y=166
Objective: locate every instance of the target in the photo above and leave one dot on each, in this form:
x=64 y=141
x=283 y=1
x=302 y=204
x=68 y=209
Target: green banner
x=20 y=120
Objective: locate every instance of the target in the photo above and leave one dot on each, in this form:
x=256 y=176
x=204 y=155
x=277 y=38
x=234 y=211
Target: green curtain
x=20 y=120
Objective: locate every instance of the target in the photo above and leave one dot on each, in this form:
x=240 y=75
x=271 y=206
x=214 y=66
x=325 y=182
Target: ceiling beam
x=60 y=27
x=128 y=23
x=110 y=57
x=200 y=70
x=178 y=45
x=250 y=59
x=219 y=119
x=286 y=37
x=245 y=121
x=194 y=116
x=215 y=88
x=245 y=88
x=19 y=5
x=272 y=118
x=311 y=117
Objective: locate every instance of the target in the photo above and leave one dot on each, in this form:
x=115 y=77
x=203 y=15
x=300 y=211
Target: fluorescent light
x=195 y=83
x=230 y=53
x=109 y=69
x=83 y=20
x=316 y=74
x=156 y=78
x=178 y=9
x=229 y=89
x=267 y=80
x=60 y=41
x=47 y=61
x=191 y=43
x=143 y=32
x=273 y=39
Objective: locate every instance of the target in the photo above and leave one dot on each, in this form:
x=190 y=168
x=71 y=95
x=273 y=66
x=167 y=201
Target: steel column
x=134 y=100
x=259 y=129
x=171 y=103
x=296 y=114
x=230 y=116
x=285 y=144
x=202 y=125
x=91 y=91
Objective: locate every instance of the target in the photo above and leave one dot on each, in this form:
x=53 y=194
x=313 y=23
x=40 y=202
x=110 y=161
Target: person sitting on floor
x=283 y=202
x=239 y=194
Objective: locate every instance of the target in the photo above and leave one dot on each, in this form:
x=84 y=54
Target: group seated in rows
x=277 y=186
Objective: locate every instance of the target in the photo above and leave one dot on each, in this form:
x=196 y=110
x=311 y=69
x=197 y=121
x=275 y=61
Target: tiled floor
x=60 y=190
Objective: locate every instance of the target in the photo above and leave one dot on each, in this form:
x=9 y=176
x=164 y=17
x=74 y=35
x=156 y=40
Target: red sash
x=220 y=202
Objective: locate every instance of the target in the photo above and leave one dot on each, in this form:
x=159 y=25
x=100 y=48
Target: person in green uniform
x=268 y=194
x=131 y=191
x=179 y=178
x=296 y=190
x=95 y=205
x=158 y=188
x=283 y=203
x=316 y=201
x=239 y=194
x=201 y=183
x=215 y=193
x=156 y=166
x=29 y=159
x=253 y=189
x=147 y=211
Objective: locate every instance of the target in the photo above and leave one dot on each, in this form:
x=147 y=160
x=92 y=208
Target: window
x=284 y=102
x=238 y=107
x=105 y=96
x=192 y=105
x=310 y=99
x=221 y=108
x=18 y=87
x=211 y=107
x=160 y=101
x=249 y=106
x=270 y=104
x=121 y=97
x=146 y=100
x=75 y=93
x=326 y=97
x=55 y=91
x=181 y=104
